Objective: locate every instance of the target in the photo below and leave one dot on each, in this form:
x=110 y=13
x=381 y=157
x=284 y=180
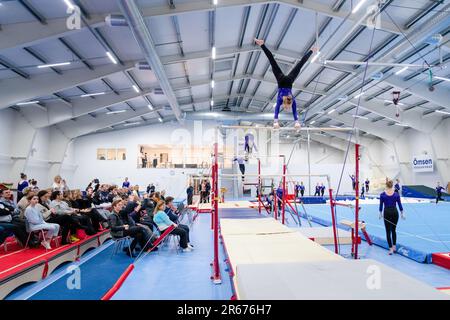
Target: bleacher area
x=20 y=266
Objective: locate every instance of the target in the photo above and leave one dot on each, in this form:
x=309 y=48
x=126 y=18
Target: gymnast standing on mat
x=390 y=199
x=285 y=83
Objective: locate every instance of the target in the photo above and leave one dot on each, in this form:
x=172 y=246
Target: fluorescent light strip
x=93 y=94
x=212 y=103
x=315 y=57
x=401 y=125
x=358 y=6
x=442 y=78
x=331 y=111
x=359 y=117
x=359 y=95
x=118 y=111
x=131 y=124
x=150 y=107
x=110 y=56
x=69 y=4
x=390 y=102
x=442 y=112
x=312 y=122
x=212 y=84
x=53 y=65
x=26 y=103
x=136 y=88
x=215 y=2
x=401 y=70
x=213 y=53
x=160 y=120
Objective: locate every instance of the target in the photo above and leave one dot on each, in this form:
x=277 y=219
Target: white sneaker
x=187 y=249
x=190 y=246
x=276 y=125
x=297 y=125
x=46 y=245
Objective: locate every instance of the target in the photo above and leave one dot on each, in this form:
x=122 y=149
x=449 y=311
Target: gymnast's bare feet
x=259 y=42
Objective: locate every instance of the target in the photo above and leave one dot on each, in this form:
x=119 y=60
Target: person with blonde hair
x=389 y=199
x=162 y=220
x=59 y=184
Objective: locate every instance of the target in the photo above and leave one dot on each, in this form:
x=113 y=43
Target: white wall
x=84 y=155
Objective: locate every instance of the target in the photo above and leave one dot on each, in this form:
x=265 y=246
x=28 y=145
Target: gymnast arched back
x=285 y=82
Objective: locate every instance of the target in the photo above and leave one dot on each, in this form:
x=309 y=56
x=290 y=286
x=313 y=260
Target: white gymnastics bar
x=270 y=175
x=290 y=128
x=404 y=65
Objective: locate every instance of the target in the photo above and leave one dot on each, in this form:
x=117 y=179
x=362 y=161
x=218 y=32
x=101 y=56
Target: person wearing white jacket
x=36 y=221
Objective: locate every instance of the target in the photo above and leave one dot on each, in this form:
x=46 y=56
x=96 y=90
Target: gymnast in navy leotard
x=285 y=82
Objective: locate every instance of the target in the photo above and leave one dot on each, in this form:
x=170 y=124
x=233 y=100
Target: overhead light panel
x=442 y=112
x=331 y=111
x=401 y=70
x=150 y=107
x=360 y=117
x=359 y=95
x=160 y=119
x=115 y=112
x=401 y=125
x=111 y=57
x=315 y=57
x=358 y=6
x=312 y=122
x=92 y=94
x=442 y=78
x=212 y=103
x=212 y=84
x=53 y=65
x=213 y=53
x=136 y=88
x=27 y=103
x=69 y=4
x=215 y=2
x=131 y=124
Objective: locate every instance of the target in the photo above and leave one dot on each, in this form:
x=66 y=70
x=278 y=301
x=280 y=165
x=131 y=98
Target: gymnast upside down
x=285 y=82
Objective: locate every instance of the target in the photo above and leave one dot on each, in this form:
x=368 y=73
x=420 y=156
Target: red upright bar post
x=216 y=268
x=213 y=184
x=333 y=219
x=284 y=191
x=259 y=186
x=275 y=204
x=356 y=199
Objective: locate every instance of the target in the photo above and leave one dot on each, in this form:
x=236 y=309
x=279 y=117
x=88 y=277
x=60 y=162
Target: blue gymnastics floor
x=426 y=229
x=167 y=275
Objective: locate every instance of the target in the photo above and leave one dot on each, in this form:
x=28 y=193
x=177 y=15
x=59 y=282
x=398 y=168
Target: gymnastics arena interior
x=224 y=150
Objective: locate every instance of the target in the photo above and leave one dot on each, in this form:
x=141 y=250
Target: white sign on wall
x=423 y=163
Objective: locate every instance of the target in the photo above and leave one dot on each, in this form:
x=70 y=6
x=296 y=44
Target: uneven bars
x=270 y=175
x=290 y=129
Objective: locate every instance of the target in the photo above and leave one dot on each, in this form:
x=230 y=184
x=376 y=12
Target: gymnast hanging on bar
x=285 y=83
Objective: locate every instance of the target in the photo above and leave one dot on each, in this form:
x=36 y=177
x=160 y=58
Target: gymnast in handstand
x=285 y=82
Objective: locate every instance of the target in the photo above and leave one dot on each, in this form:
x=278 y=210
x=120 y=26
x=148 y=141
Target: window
x=112 y=154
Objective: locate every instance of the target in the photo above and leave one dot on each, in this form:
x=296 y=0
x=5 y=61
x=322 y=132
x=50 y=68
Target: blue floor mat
x=426 y=229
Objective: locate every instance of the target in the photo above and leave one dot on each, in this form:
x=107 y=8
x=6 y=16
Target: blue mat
x=426 y=229
x=98 y=275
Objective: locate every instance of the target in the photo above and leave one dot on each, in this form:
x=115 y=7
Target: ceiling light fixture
x=213 y=53
x=53 y=65
x=69 y=4
x=110 y=56
x=115 y=112
x=136 y=88
x=331 y=111
x=401 y=70
x=442 y=78
x=92 y=94
x=358 y=6
x=27 y=103
x=150 y=107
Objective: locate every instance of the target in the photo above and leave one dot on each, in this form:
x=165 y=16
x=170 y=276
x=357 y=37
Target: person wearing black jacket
x=133 y=213
x=190 y=194
x=120 y=229
x=9 y=217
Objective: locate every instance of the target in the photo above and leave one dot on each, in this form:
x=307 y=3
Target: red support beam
x=356 y=198
x=333 y=219
x=259 y=186
x=284 y=191
x=215 y=202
